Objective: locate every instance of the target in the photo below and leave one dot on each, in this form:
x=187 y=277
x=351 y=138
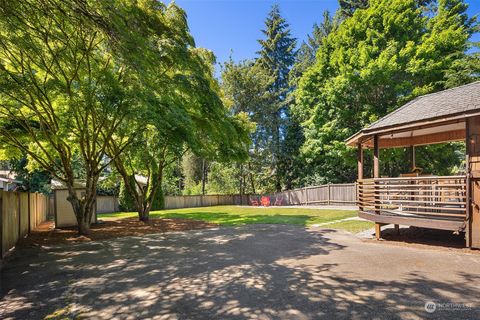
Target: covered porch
x=425 y=199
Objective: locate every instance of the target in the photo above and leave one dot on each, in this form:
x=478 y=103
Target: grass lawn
x=234 y=215
x=353 y=226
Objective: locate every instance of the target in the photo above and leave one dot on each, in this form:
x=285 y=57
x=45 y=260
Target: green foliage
x=375 y=61
x=224 y=178
x=67 y=81
x=246 y=88
x=183 y=111
x=125 y=199
x=348 y=7
x=276 y=57
x=33 y=181
x=305 y=57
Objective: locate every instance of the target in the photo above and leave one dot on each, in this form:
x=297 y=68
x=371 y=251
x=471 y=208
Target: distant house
x=8 y=184
x=421 y=199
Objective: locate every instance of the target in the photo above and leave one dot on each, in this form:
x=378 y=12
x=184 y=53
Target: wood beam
x=442 y=224
x=433 y=138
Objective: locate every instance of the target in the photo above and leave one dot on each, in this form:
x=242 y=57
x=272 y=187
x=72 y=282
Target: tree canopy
x=380 y=58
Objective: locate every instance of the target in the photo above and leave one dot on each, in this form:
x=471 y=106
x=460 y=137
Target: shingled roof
x=457 y=101
x=443 y=103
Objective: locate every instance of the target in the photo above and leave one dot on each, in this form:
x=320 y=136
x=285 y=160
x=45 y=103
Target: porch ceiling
x=445 y=132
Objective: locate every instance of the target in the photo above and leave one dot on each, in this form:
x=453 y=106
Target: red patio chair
x=265 y=201
x=254 y=202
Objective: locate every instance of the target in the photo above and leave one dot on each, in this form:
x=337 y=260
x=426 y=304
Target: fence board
x=20 y=212
x=335 y=194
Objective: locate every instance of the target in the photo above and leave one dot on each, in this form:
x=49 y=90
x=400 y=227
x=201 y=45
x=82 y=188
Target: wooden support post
x=473 y=200
x=468 y=191
x=360 y=172
x=411 y=155
x=376 y=172
x=378 y=230
x=360 y=161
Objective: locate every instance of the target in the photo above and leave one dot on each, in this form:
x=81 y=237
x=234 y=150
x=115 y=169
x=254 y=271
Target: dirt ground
x=46 y=234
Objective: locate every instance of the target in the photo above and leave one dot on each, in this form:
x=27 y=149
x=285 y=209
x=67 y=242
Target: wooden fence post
x=329 y=194
x=19 y=216
x=306 y=196
x=1 y=224
x=29 y=211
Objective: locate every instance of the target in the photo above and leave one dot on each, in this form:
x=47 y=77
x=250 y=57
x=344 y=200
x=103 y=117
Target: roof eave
x=354 y=139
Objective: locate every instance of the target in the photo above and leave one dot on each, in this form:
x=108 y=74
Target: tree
x=292 y=164
x=348 y=7
x=185 y=112
x=65 y=87
x=32 y=180
x=276 y=56
x=246 y=87
x=377 y=60
x=305 y=56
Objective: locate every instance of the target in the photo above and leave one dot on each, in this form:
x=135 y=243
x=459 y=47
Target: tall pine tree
x=276 y=57
x=305 y=56
x=348 y=7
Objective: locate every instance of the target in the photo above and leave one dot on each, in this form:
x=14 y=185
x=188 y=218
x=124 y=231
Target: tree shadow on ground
x=252 y=272
x=424 y=236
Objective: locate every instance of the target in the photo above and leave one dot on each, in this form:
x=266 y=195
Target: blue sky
x=233 y=26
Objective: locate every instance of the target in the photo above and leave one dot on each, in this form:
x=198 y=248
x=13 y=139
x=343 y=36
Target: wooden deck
x=437 y=202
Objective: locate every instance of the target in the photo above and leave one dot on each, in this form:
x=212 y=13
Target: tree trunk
x=83 y=206
x=83 y=210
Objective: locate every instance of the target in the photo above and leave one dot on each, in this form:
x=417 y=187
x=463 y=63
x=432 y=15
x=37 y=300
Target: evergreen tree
x=376 y=61
x=277 y=56
x=305 y=56
x=348 y=7
x=246 y=88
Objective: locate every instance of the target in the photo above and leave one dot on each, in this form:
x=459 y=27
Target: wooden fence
x=327 y=194
x=177 y=202
x=20 y=213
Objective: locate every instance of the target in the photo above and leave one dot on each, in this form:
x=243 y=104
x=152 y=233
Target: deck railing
x=427 y=196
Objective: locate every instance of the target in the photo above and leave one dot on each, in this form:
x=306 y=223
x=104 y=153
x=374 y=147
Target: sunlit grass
x=353 y=226
x=235 y=215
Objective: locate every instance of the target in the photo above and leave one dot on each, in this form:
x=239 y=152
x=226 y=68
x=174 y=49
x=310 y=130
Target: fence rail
x=435 y=197
x=20 y=213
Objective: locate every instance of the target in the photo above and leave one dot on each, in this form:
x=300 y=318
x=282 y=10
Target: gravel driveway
x=249 y=272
